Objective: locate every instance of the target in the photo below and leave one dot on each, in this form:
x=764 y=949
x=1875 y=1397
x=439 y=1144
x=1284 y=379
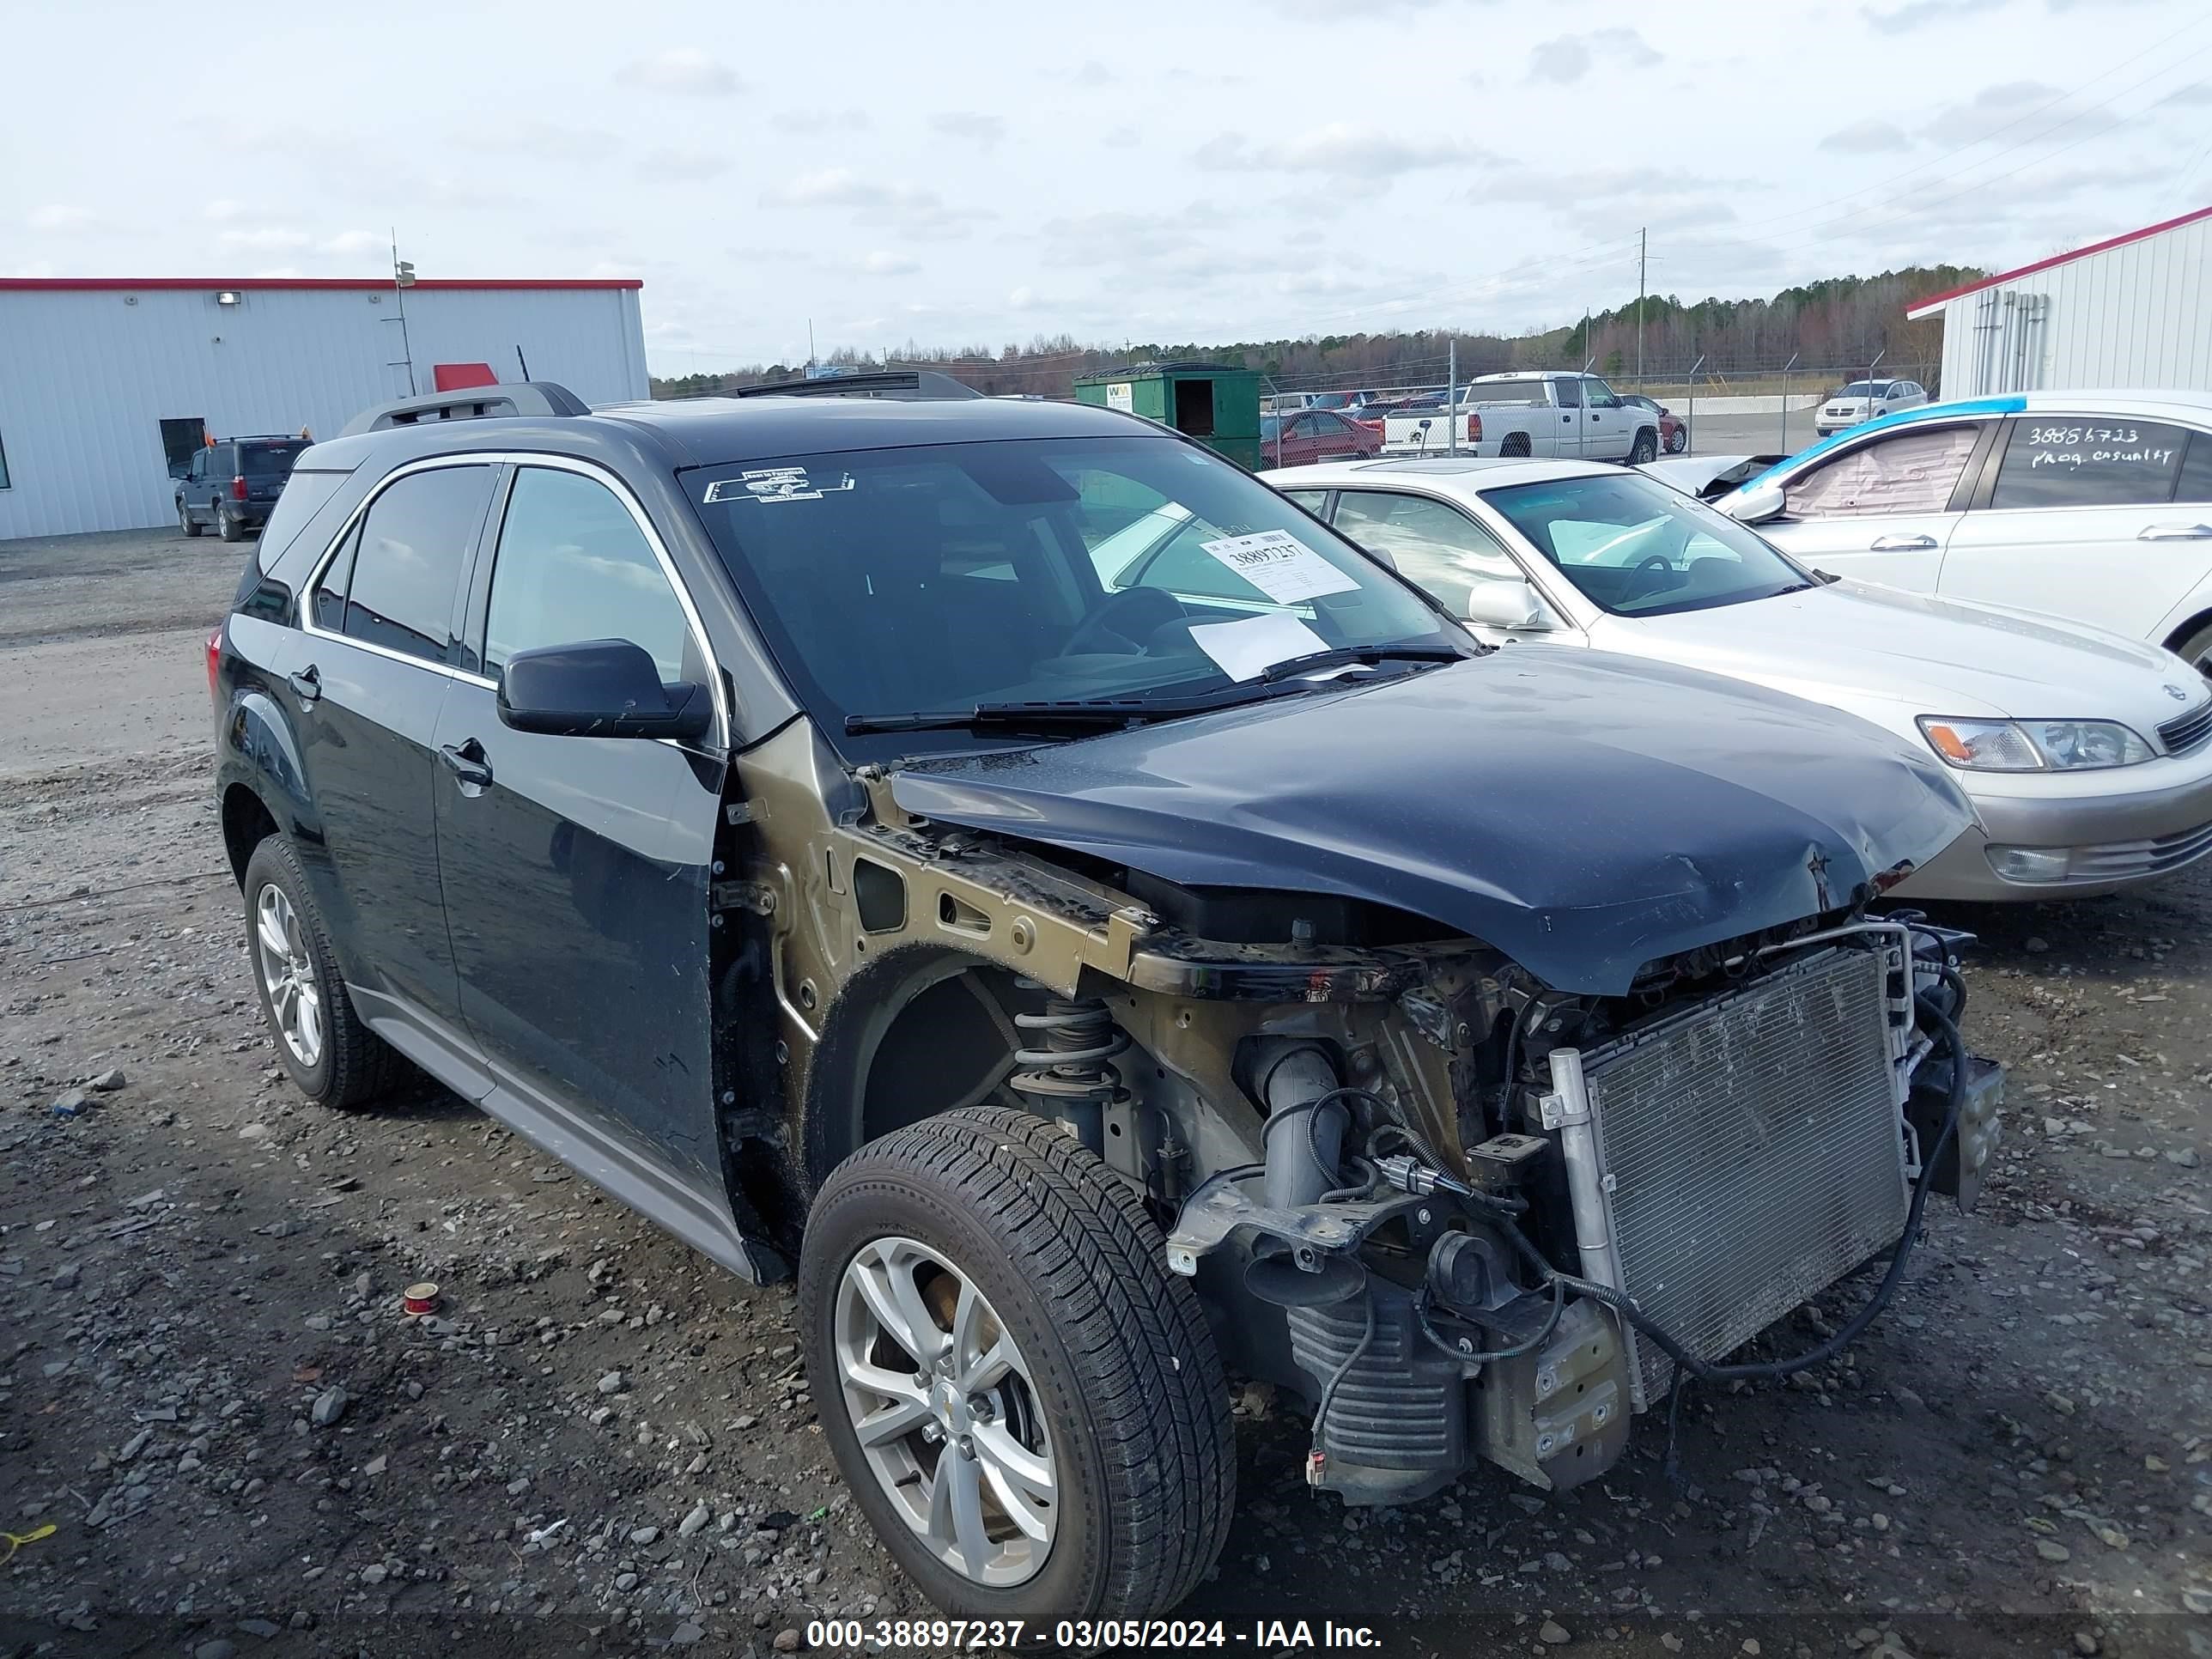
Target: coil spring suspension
x=1074 y=1068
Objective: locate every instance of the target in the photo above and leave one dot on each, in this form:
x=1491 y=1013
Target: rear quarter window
x=2089 y=461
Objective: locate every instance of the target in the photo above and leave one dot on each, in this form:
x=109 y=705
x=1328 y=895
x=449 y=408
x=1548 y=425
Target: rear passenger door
x=1564 y=423
x=369 y=671
x=2081 y=522
x=576 y=869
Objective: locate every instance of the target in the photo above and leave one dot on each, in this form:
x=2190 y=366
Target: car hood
x=1584 y=813
x=1892 y=656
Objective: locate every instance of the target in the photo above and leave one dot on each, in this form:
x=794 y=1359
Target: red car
x=1315 y=435
x=1673 y=435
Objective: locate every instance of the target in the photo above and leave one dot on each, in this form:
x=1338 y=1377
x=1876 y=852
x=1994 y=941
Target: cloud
x=1919 y=14
x=878 y=262
x=267 y=239
x=1867 y=138
x=347 y=243
x=684 y=69
x=1520 y=183
x=682 y=164
x=984 y=129
x=1095 y=74
x=1337 y=150
x=1570 y=57
x=59 y=216
x=824 y=120
x=1991 y=110
x=909 y=208
x=1121 y=137
x=222 y=210
x=1022 y=299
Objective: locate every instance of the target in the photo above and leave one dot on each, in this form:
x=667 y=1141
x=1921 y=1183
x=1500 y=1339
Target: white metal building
x=103 y=382
x=2133 y=311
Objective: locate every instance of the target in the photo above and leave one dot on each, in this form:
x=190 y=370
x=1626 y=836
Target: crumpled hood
x=1584 y=813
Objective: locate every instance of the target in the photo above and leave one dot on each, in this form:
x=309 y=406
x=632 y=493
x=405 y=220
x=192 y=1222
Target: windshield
x=1866 y=389
x=1636 y=548
x=268 y=460
x=940 y=577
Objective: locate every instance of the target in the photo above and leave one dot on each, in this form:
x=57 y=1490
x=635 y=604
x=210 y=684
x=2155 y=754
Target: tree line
x=1836 y=324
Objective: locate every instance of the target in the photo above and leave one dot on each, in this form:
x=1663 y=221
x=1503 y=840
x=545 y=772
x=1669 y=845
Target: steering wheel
x=1124 y=615
x=1634 y=587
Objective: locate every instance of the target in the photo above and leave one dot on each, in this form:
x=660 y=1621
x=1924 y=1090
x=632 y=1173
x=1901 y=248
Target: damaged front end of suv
x=1469 y=1125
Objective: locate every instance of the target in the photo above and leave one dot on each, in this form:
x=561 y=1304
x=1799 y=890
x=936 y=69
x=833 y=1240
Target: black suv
x=233 y=485
x=1099 y=928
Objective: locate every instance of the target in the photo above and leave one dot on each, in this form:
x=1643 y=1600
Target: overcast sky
x=968 y=172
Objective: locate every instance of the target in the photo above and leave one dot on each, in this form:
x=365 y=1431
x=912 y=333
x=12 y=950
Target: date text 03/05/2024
x=1083 y=1635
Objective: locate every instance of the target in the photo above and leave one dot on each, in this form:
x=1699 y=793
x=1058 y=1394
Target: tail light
x=215 y=660
x=1474 y=428
x=238 y=489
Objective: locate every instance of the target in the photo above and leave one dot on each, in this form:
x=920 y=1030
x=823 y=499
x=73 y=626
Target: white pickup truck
x=1545 y=415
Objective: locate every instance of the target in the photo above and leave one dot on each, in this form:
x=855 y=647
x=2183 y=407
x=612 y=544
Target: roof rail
x=470 y=403
x=913 y=385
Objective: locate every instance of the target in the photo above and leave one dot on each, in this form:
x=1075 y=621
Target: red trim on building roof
x=125 y=284
x=1934 y=300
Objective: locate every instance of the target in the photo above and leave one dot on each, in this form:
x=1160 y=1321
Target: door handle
x=1901 y=545
x=2174 y=532
x=468 y=763
x=307 y=684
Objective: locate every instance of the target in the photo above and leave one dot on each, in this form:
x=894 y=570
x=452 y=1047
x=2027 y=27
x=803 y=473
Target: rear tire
x=185 y=522
x=1678 y=441
x=1645 y=448
x=1011 y=1238
x=226 y=524
x=326 y=1046
x=1516 y=443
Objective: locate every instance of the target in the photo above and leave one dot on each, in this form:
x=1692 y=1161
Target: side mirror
x=1503 y=604
x=1754 y=503
x=599 y=688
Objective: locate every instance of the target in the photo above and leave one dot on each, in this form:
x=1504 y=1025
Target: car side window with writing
x=1913 y=472
x=573 y=566
x=1432 y=545
x=407 y=560
x=2094 y=460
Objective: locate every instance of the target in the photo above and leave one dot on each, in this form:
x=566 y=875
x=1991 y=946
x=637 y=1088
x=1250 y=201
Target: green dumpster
x=1214 y=403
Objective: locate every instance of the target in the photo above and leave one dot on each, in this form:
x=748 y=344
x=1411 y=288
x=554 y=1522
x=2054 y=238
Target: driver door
x=575 y=870
x=1884 y=509
x=1608 y=425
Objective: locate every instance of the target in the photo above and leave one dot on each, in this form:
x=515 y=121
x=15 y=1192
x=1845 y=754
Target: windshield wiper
x=1085 y=713
x=1340 y=656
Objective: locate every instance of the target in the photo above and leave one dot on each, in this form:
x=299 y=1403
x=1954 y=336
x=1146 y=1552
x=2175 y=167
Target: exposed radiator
x=1750 y=1152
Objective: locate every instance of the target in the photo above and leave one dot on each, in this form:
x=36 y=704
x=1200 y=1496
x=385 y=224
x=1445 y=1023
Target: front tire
x=1027 y=1406
x=1645 y=448
x=2197 y=650
x=327 y=1048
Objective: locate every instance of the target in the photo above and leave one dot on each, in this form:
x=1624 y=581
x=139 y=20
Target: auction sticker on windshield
x=1281 y=566
x=776 y=483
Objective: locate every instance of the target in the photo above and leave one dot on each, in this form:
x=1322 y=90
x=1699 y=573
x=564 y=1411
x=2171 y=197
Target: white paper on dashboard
x=1281 y=566
x=1246 y=650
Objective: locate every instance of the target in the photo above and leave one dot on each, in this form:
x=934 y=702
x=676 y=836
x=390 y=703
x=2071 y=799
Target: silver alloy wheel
x=945 y=1412
x=288 y=973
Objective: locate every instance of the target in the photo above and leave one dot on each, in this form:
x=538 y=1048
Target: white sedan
x=2092 y=506
x=2088 y=757
x=1863 y=400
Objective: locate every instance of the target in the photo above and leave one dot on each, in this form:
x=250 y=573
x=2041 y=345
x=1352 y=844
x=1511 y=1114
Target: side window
x=198 y=470
x=1311 y=499
x=219 y=461
x=1911 y=472
x=2097 y=461
x=1432 y=545
x=1568 y=389
x=573 y=565
x=330 y=596
x=2196 y=470
x=408 y=561
x=1600 y=395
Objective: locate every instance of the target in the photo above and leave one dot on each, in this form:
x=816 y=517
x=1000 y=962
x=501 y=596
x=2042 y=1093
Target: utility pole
x=1641 y=237
x=1451 y=398
x=402 y=278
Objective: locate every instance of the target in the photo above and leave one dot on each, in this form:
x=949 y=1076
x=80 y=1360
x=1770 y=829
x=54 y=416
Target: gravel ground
x=601 y=1443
